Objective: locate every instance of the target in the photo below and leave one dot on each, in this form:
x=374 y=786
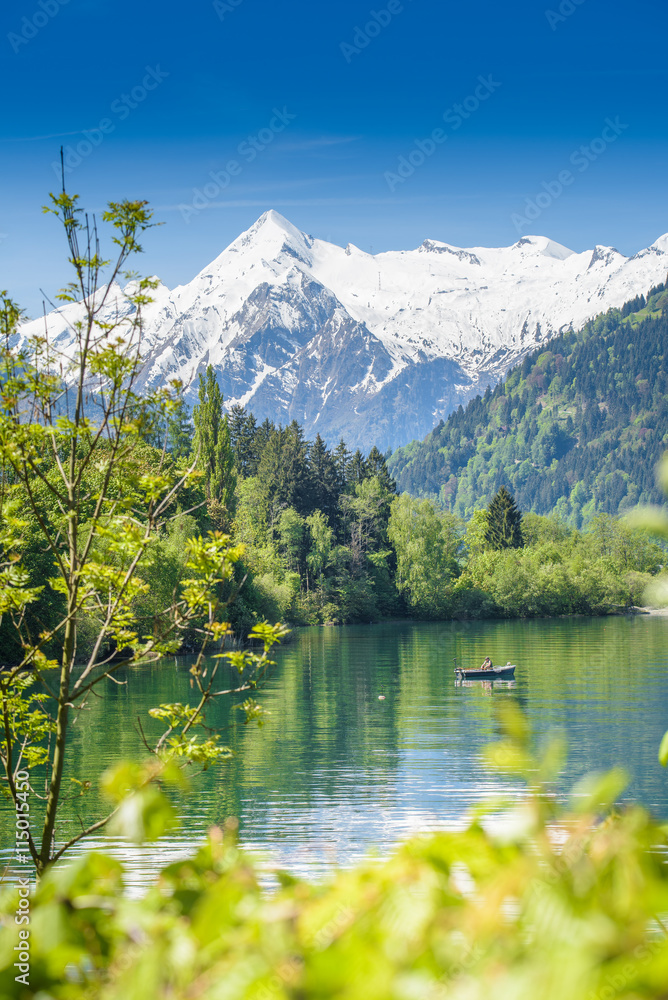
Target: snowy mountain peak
x=660 y=246
x=374 y=348
x=435 y=246
x=605 y=256
x=543 y=246
x=273 y=220
x=272 y=229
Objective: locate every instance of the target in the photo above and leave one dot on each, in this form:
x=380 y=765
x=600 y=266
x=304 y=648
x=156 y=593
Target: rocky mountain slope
x=374 y=348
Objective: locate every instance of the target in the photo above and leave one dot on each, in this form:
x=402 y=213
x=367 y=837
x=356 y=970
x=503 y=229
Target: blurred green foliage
x=532 y=902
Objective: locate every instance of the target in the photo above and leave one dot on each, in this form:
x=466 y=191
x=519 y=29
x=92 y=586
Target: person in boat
x=487 y=664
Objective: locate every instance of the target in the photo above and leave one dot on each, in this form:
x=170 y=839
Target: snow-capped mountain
x=372 y=348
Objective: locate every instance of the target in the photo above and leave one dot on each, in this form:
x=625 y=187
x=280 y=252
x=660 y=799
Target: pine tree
x=377 y=466
x=283 y=472
x=179 y=431
x=357 y=469
x=342 y=461
x=263 y=434
x=324 y=493
x=243 y=436
x=504 y=522
x=212 y=443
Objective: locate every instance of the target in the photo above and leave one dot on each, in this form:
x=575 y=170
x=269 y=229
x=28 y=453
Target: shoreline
x=633 y=612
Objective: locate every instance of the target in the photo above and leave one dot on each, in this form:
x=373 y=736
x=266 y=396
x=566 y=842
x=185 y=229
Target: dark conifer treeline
x=304 y=475
x=314 y=522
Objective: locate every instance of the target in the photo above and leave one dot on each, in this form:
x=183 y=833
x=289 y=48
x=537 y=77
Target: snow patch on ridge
x=294 y=324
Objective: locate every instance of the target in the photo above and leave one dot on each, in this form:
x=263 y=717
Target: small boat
x=506 y=673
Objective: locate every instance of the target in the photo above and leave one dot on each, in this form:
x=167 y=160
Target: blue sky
x=173 y=93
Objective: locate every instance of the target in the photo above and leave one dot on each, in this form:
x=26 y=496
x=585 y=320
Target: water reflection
x=339 y=770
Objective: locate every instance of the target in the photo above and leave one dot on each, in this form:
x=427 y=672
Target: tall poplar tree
x=212 y=443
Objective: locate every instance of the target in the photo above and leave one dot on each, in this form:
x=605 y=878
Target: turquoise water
x=336 y=772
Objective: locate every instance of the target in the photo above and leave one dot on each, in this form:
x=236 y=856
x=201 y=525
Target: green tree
x=357 y=470
x=321 y=542
x=376 y=465
x=212 y=443
x=324 y=491
x=73 y=434
x=342 y=462
x=291 y=534
x=368 y=511
x=250 y=524
x=244 y=441
x=504 y=522
x=283 y=472
x=180 y=430
x=426 y=540
x=475 y=538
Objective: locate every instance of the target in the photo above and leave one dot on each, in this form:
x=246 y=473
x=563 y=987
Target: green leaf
x=121 y=779
x=599 y=791
x=652 y=520
x=507 y=758
x=144 y=815
x=663 y=751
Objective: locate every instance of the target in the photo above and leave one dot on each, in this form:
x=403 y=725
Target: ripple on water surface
x=337 y=773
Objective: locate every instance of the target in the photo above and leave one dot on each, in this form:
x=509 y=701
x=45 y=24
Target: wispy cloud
x=319 y=143
x=268 y=187
x=35 y=138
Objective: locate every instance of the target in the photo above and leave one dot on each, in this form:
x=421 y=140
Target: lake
x=336 y=772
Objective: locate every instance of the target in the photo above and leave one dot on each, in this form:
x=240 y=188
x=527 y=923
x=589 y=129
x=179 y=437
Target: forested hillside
x=577 y=428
